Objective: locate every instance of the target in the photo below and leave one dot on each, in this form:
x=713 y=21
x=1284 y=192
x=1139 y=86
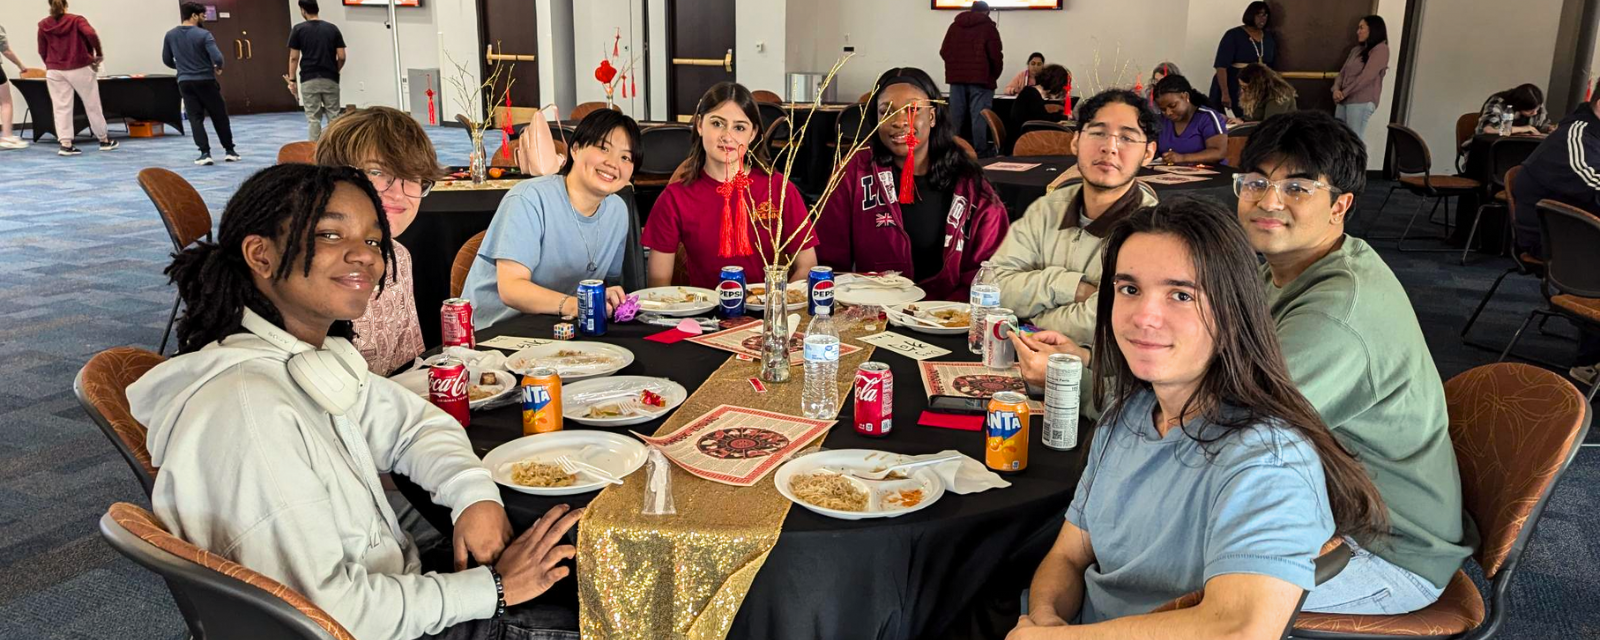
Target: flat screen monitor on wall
x=962 y=5
x=384 y=3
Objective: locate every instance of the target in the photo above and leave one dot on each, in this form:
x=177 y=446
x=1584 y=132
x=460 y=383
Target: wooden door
x=1313 y=38
x=226 y=32
x=699 y=51
x=265 y=32
x=510 y=28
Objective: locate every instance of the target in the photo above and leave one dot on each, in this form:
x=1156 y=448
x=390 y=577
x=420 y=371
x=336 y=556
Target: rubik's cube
x=564 y=331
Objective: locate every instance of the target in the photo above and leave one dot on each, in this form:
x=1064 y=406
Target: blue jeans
x=1355 y=115
x=1370 y=585
x=967 y=102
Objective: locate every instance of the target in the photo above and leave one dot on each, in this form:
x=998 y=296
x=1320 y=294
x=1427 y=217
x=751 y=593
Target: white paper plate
x=705 y=300
x=922 y=311
x=865 y=294
x=758 y=303
x=416 y=380
x=618 y=454
x=670 y=391
x=525 y=360
x=923 y=478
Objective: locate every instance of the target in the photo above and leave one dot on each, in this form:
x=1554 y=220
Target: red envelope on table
x=669 y=336
x=951 y=421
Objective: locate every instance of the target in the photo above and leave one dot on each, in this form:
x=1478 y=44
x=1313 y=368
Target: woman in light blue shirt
x=553 y=232
x=1209 y=470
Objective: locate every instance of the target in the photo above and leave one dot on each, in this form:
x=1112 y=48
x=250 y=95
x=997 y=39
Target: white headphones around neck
x=333 y=375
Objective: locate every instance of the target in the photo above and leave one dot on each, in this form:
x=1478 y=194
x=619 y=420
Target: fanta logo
x=823 y=291
x=535 y=398
x=1002 y=424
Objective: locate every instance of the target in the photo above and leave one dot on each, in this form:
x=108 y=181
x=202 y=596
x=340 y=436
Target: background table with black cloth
x=1478 y=165
x=153 y=97
x=908 y=577
x=1018 y=189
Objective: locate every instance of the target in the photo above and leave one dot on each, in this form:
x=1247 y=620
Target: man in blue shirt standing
x=193 y=52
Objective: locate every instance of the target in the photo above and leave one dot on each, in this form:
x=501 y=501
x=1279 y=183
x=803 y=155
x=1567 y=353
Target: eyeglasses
x=1252 y=187
x=381 y=181
x=1101 y=137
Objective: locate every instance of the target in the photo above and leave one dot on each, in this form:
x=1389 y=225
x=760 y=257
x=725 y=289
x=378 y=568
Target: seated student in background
x=1050 y=88
x=1049 y=264
x=552 y=232
x=396 y=155
x=1263 y=94
x=270 y=433
x=1565 y=168
x=1026 y=77
x=1156 y=75
x=1193 y=133
x=1208 y=470
x=696 y=209
x=938 y=234
x=1531 y=118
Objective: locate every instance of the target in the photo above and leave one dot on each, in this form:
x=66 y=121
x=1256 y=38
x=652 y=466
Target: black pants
x=202 y=98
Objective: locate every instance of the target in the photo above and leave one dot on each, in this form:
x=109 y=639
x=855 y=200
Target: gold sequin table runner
x=685 y=575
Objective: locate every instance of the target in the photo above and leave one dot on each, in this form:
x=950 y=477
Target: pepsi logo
x=822 y=292
x=730 y=291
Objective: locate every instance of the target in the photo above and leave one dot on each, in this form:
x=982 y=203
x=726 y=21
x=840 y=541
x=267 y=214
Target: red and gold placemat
x=973 y=380
x=685 y=575
x=736 y=445
x=746 y=341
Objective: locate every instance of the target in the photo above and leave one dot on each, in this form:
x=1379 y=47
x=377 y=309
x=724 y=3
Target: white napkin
x=963 y=475
x=887 y=280
x=489 y=359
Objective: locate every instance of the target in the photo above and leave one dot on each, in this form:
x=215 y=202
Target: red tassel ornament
x=908 y=176
x=735 y=218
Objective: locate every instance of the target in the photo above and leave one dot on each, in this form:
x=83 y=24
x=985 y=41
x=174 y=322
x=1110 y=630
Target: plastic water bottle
x=820 y=398
x=985 y=297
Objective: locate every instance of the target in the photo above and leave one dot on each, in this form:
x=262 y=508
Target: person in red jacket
x=939 y=233
x=72 y=57
x=972 y=63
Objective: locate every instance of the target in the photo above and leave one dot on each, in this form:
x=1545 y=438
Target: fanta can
x=1005 y=433
x=541 y=401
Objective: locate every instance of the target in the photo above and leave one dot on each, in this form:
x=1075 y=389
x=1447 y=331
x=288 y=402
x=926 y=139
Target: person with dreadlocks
x=722 y=207
x=913 y=201
x=552 y=232
x=270 y=433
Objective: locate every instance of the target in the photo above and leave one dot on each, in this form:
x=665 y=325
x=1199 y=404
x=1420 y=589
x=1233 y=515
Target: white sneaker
x=230 y=157
x=13 y=142
x=1586 y=375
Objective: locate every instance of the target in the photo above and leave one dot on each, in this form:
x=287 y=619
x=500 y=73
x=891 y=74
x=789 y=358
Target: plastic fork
x=879 y=475
x=568 y=465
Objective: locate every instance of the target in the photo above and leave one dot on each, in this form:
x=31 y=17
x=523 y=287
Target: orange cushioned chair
x=184 y=213
x=1044 y=143
x=1466 y=127
x=1333 y=558
x=226 y=601
x=299 y=152
x=1571 y=281
x=966 y=147
x=762 y=95
x=1411 y=159
x=585 y=109
x=1515 y=428
x=997 y=129
x=102 y=390
x=463 y=263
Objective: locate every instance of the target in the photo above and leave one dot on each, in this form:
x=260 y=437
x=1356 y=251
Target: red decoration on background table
x=669 y=336
x=735 y=219
x=1066 y=97
x=429 y=92
x=908 y=176
x=605 y=73
x=951 y=421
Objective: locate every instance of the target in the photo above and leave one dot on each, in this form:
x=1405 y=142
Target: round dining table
x=920 y=575
x=1018 y=189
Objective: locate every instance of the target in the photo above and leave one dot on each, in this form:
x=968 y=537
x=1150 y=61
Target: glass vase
x=480 y=159
x=775 y=329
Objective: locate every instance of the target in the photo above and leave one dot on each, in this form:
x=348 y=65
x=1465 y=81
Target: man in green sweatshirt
x=1357 y=353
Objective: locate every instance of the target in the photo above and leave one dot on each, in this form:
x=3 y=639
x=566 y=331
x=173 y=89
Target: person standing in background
x=193 y=52
x=72 y=58
x=8 y=140
x=1241 y=46
x=1360 y=82
x=1028 y=76
x=316 y=49
x=972 y=62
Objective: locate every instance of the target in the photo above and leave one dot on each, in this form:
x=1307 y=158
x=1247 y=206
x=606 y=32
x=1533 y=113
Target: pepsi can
x=592 y=307
x=820 y=284
x=731 y=292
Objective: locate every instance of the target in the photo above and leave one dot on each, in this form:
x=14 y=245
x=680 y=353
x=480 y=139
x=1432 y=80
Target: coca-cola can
x=998 y=352
x=874 y=408
x=455 y=324
x=447 y=389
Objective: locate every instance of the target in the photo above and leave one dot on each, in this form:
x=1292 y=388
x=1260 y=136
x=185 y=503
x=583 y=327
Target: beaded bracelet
x=499 y=594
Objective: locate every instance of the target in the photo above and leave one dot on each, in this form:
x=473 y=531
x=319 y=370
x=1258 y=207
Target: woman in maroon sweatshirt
x=72 y=56
x=941 y=232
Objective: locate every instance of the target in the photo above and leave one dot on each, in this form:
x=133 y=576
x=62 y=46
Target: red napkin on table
x=951 y=421
x=669 y=336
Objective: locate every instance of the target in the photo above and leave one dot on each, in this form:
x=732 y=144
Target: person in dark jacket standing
x=72 y=57
x=193 y=52
x=972 y=63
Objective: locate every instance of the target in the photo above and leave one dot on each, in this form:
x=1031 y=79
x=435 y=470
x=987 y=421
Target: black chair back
x=850 y=120
x=633 y=271
x=665 y=147
x=1410 y=153
x=769 y=114
x=1043 y=125
x=1506 y=153
x=561 y=132
x=1570 y=235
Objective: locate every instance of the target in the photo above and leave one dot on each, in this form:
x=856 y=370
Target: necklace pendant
x=591 y=267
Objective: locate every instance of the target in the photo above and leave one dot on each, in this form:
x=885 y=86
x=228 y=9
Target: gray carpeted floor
x=81 y=251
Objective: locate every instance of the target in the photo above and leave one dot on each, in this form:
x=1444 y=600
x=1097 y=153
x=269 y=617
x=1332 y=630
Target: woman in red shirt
x=691 y=215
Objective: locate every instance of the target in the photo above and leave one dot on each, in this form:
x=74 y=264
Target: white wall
x=131 y=39
x=595 y=25
x=760 y=43
x=1455 y=74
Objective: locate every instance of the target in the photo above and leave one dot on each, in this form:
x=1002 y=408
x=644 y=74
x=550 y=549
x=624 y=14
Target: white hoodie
x=252 y=469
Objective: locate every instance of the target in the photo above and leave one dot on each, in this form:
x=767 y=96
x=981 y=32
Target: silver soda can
x=1062 y=376
x=998 y=352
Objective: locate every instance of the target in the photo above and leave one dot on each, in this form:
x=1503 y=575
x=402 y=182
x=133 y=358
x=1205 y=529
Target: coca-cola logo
x=867 y=389
x=448 y=386
x=822 y=292
x=730 y=292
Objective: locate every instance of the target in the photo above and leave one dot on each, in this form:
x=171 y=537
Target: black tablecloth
x=906 y=577
x=148 y=98
x=1018 y=189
